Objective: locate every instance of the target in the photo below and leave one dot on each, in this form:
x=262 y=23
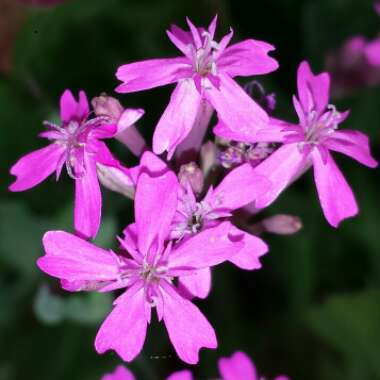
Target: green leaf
x=349 y=324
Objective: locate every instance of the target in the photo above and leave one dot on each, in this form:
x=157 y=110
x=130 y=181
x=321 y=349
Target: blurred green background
x=312 y=312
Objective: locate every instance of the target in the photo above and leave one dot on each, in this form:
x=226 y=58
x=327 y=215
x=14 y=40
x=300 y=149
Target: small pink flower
x=239 y=366
x=120 y=373
x=76 y=144
x=309 y=144
x=205 y=72
x=147 y=266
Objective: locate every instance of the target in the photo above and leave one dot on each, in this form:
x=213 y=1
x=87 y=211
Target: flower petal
x=178 y=118
x=187 y=327
x=36 y=166
x=144 y=75
x=239 y=187
x=281 y=167
x=128 y=118
x=205 y=249
x=120 y=373
x=74 y=259
x=235 y=108
x=155 y=205
x=238 y=366
x=68 y=106
x=181 y=375
x=336 y=197
x=353 y=144
x=372 y=52
x=189 y=148
x=71 y=109
x=124 y=329
x=88 y=201
x=246 y=58
x=248 y=257
x=197 y=283
x=313 y=90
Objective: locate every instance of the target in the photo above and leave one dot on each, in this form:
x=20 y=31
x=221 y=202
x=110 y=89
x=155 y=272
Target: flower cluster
x=186 y=201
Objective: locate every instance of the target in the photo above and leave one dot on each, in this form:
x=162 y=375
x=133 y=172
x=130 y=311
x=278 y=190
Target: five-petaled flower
x=309 y=144
x=147 y=266
x=75 y=143
x=205 y=72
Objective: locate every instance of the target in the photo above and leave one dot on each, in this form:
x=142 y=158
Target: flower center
x=195 y=222
x=318 y=128
x=204 y=57
x=74 y=136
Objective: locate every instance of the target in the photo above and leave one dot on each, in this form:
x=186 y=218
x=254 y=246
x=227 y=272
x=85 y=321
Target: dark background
x=312 y=312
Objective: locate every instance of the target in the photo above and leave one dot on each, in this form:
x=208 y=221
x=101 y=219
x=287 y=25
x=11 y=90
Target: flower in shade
x=147 y=266
x=350 y=67
x=310 y=144
x=237 y=367
x=76 y=144
x=204 y=72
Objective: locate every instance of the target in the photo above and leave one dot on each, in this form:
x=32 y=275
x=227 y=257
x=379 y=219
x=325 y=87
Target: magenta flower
x=309 y=144
x=372 y=52
x=192 y=216
x=239 y=366
x=205 y=72
x=120 y=373
x=76 y=144
x=240 y=187
x=147 y=266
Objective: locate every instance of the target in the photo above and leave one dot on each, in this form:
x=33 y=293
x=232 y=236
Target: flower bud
x=282 y=224
x=192 y=174
x=208 y=157
x=105 y=105
x=116 y=179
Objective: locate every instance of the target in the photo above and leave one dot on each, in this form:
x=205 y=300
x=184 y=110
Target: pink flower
x=350 y=67
x=76 y=144
x=147 y=267
x=239 y=366
x=309 y=144
x=192 y=216
x=204 y=72
x=240 y=187
x=372 y=52
x=120 y=373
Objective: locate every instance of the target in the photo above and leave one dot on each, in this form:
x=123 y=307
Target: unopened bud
x=105 y=105
x=282 y=224
x=208 y=157
x=116 y=180
x=192 y=174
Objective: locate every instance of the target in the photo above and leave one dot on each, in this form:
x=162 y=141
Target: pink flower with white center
x=309 y=144
x=76 y=144
x=205 y=72
x=193 y=217
x=147 y=266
